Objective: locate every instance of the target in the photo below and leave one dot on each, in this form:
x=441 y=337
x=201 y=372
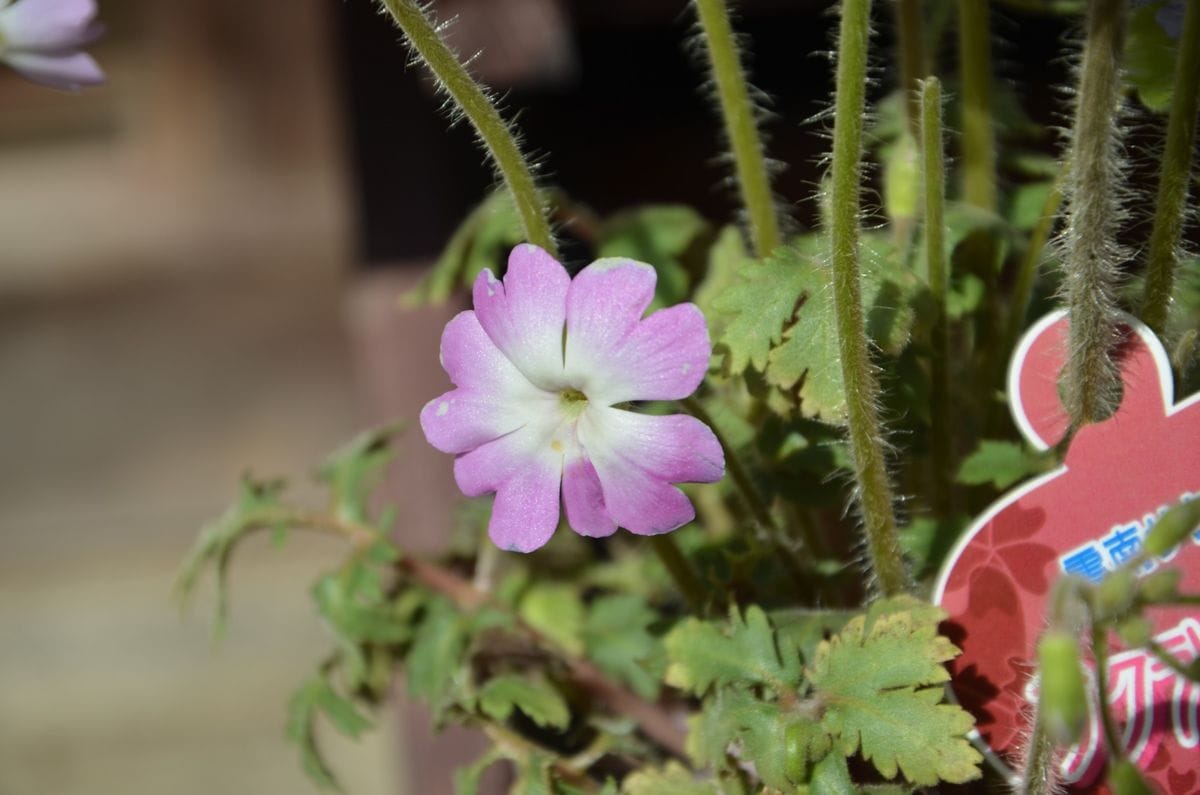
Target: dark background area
x=633 y=123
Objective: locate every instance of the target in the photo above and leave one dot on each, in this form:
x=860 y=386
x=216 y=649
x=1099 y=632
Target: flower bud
x=1114 y=596
x=1172 y=527
x=1161 y=586
x=795 y=751
x=1135 y=631
x=1063 y=701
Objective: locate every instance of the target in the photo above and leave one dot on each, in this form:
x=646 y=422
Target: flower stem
x=1090 y=265
x=754 y=181
x=1038 y=776
x=1112 y=736
x=934 y=175
x=1171 y=206
x=682 y=572
x=979 y=185
x=495 y=135
x=975 y=72
x=874 y=491
x=912 y=59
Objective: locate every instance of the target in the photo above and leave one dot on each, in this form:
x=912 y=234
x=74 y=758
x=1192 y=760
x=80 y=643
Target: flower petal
x=484 y=469
x=637 y=458
x=494 y=398
x=69 y=72
x=604 y=305
x=48 y=24
x=524 y=314
x=525 y=471
x=463 y=419
x=583 y=499
x=617 y=356
x=473 y=361
x=525 y=512
x=665 y=357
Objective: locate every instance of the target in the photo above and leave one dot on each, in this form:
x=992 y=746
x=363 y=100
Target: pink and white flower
x=43 y=40
x=543 y=366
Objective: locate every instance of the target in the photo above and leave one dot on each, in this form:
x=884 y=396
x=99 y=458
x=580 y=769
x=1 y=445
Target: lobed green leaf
x=879 y=682
x=534 y=696
x=702 y=655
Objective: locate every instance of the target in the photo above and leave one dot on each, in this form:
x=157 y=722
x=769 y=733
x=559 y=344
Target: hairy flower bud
x=1064 y=707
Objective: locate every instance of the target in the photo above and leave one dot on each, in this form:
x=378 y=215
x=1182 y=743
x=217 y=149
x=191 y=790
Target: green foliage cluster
x=752 y=653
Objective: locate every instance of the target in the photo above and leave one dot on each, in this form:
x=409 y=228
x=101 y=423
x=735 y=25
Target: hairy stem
x=1090 y=265
x=1038 y=776
x=975 y=72
x=495 y=135
x=754 y=181
x=873 y=489
x=1171 y=206
x=934 y=177
x=978 y=169
x=912 y=59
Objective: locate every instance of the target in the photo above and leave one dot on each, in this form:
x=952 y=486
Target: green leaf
x=999 y=463
x=480 y=241
x=538 y=699
x=832 y=777
x=670 y=237
x=901 y=178
x=880 y=682
x=964 y=220
x=533 y=776
x=257 y=506
x=468 y=777
x=617 y=639
x=673 y=779
x=778 y=742
x=355 y=609
x=556 y=611
x=759 y=305
x=1028 y=200
x=354 y=471
x=437 y=651
x=702 y=655
x=726 y=259
x=316 y=697
x=1150 y=56
x=808 y=355
x=926 y=541
x=964 y=296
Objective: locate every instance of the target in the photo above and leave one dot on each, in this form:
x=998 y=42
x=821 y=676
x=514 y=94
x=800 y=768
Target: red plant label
x=1085 y=518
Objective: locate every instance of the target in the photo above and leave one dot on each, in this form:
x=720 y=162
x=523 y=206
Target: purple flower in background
x=42 y=39
x=542 y=366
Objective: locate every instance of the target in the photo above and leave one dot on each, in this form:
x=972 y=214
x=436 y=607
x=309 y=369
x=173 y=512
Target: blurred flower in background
x=43 y=40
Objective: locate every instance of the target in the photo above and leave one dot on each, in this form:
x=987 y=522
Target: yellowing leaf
x=674 y=779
